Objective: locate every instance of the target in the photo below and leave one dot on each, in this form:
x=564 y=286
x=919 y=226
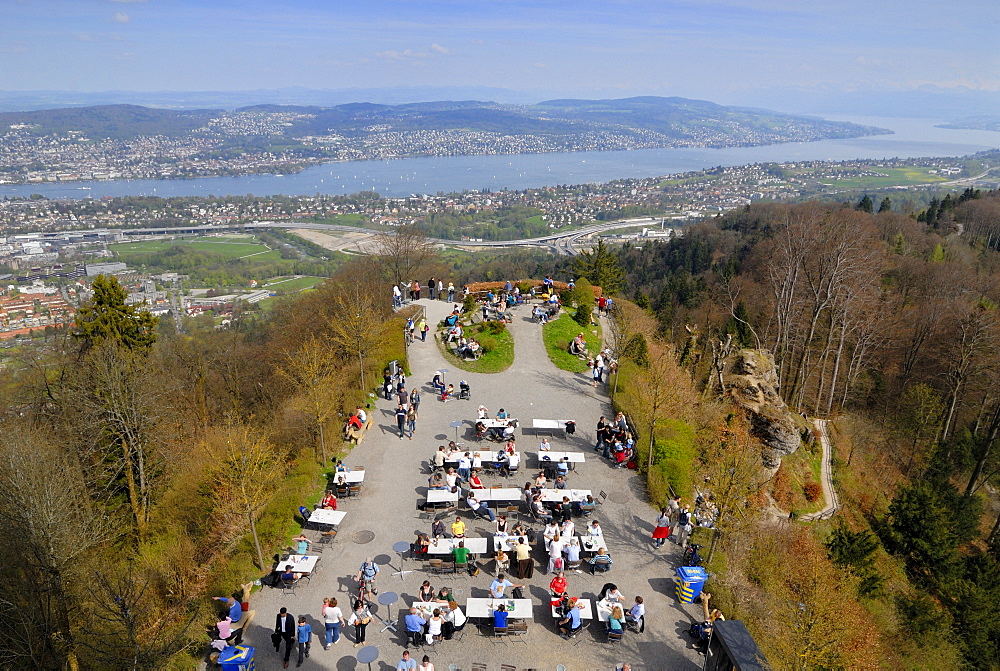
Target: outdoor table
x=549 y=425
x=353 y=477
x=444 y=546
x=367 y=655
x=429 y=606
x=498 y=494
x=586 y=613
x=553 y=458
x=326 y=517
x=400 y=547
x=556 y=495
x=300 y=563
x=484 y=607
x=387 y=599
x=477 y=462
x=591 y=543
x=436 y=496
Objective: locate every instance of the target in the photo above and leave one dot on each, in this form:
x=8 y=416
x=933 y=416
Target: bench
x=357 y=435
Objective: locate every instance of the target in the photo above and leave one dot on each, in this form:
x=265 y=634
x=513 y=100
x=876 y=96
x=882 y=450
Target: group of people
x=599 y=364
x=615 y=441
x=674 y=521
x=435 y=290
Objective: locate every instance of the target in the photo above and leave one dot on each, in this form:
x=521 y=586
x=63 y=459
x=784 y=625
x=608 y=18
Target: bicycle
x=364 y=593
x=691 y=557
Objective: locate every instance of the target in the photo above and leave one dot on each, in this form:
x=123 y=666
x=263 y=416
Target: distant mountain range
x=649 y=121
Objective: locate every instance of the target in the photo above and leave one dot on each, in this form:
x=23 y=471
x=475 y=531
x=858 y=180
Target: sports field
x=230 y=247
x=906 y=176
x=291 y=284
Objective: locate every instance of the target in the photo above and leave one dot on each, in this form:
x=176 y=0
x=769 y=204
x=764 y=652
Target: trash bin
x=689 y=580
x=237 y=658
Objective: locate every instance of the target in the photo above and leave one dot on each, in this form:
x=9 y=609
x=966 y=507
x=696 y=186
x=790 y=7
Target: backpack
x=684 y=519
x=272 y=579
x=517 y=593
x=369 y=571
x=558 y=564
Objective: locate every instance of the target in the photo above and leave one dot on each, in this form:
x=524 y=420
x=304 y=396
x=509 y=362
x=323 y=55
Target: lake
x=913 y=138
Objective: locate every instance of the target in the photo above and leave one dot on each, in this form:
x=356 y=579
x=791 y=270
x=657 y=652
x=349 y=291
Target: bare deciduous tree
x=403 y=254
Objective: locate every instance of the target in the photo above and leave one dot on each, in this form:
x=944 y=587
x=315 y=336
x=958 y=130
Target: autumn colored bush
x=813 y=491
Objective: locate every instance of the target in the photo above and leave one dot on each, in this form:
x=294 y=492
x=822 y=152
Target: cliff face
x=748 y=377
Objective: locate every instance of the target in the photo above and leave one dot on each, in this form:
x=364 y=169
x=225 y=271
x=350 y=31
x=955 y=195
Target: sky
x=728 y=51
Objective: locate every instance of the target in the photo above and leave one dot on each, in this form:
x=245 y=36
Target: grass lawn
x=496 y=361
x=557 y=336
x=230 y=248
x=284 y=285
x=904 y=176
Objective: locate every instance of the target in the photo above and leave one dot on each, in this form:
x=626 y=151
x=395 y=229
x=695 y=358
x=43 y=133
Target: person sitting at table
x=502 y=560
x=439 y=458
x=560 y=482
x=501 y=415
x=610 y=594
x=484 y=412
x=501 y=529
x=500 y=462
x=540 y=481
x=558 y=585
x=616 y=621
x=550 y=531
x=437 y=529
x=461 y=555
x=445 y=596
x=415 y=622
x=289 y=575
x=567 y=529
x=419 y=547
x=636 y=614
x=570 y=624
x=426 y=593
x=458 y=528
x=501 y=583
x=437 y=482
x=480 y=429
x=479 y=508
x=448 y=393
x=354 y=423
x=302 y=543
x=513 y=461
x=329 y=501
x=572 y=551
x=601 y=561
x=562 y=467
x=451 y=479
x=510 y=447
x=544 y=446
x=475 y=482
x=518 y=529
x=587 y=506
x=595 y=529
x=341 y=468
x=539 y=510
x=508 y=432
x=500 y=617
x=622 y=456
x=566 y=509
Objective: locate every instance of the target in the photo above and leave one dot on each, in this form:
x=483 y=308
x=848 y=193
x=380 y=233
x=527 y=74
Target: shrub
x=488 y=344
x=637 y=350
x=469 y=304
x=813 y=491
x=525 y=287
x=583 y=313
x=494 y=327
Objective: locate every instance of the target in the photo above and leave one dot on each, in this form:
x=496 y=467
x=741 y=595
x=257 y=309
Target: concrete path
x=396 y=482
x=826 y=474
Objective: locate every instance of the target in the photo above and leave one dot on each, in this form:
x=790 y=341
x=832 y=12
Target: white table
x=498 y=494
x=482 y=608
x=453 y=463
x=429 y=606
x=549 y=425
x=556 y=495
x=444 y=546
x=324 y=516
x=587 y=612
x=441 y=496
x=354 y=477
x=554 y=457
x=591 y=543
x=300 y=563
x=506 y=542
x=497 y=423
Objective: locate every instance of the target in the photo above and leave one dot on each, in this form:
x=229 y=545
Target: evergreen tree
x=106 y=317
x=865 y=204
x=885 y=205
x=601 y=266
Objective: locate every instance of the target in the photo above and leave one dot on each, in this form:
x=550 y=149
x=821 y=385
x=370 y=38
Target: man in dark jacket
x=284 y=629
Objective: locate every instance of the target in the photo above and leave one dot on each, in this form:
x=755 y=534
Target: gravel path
x=396 y=481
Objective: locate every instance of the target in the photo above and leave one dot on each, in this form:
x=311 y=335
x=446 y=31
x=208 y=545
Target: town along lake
x=912 y=138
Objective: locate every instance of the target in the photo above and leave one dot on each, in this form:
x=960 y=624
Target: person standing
x=662 y=530
x=423 y=328
x=415 y=399
x=401 y=420
x=303 y=636
x=674 y=507
x=525 y=567
x=440 y=290
x=451 y=292
x=284 y=630
x=431 y=284
x=360 y=617
x=416 y=290
x=397 y=296
x=683 y=529
x=411 y=421
x=333 y=617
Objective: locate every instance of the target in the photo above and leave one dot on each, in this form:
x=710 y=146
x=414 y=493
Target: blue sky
x=728 y=51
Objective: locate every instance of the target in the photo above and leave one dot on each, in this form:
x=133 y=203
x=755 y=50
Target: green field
x=228 y=247
x=907 y=176
x=557 y=336
x=285 y=285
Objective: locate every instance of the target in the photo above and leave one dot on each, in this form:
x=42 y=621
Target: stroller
x=464 y=390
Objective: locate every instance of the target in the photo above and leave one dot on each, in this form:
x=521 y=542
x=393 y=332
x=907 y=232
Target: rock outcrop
x=749 y=378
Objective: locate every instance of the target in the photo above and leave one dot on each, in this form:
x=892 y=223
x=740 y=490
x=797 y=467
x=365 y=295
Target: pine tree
x=865 y=204
x=106 y=317
x=885 y=205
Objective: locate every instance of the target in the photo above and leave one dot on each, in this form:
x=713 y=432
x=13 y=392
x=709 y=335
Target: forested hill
x=890 y=326
x=645 y=121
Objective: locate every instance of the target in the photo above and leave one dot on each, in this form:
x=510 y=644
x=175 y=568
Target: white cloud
x=411 y=55
x=438 y=49
x=121 y=17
